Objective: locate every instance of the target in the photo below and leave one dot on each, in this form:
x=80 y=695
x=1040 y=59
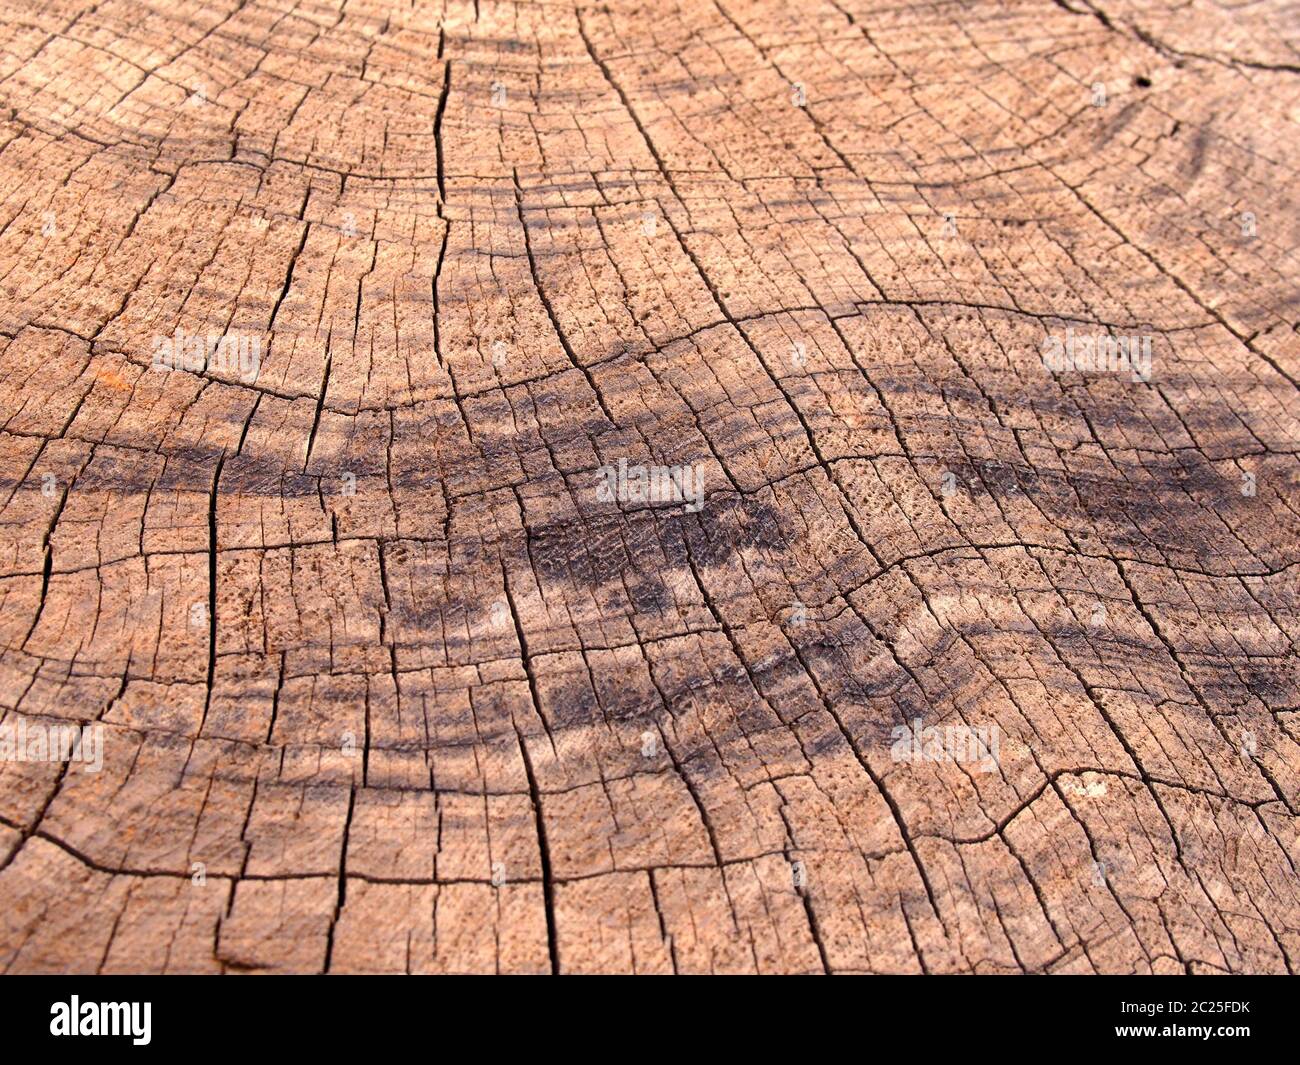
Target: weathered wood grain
x=386 y=681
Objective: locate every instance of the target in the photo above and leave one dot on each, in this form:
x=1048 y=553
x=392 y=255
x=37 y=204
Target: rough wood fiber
x=387 y=682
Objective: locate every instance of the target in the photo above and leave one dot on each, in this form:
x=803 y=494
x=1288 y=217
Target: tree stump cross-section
x=702 y=486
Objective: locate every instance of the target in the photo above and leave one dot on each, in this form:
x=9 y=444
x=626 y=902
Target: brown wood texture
x=387 y=681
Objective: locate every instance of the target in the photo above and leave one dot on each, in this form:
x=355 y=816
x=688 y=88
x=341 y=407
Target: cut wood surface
x=516 y=487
